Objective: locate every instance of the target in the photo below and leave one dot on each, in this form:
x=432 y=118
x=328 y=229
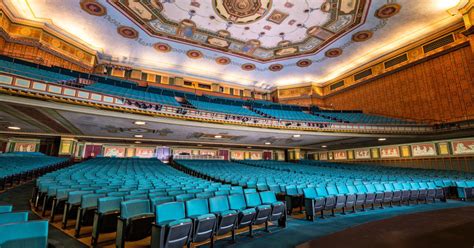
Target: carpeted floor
x=339 y=231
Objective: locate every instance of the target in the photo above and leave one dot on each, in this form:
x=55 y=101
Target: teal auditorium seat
x=291 y=115
x=134 y=222
x=226 y=218
x=246 y=214
x=108 y=210
x=6 y=208
x=263 y=210
x=203 y=221
x=171 y=227
x=13 y=217
x=223 y=108
x=31 y=234
x=278 y=212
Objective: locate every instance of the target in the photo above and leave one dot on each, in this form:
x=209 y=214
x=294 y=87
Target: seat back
x=370 y=188
x=134 y=208
x=108 y=204
x=196 y=207
x=310 y=193
x=184 y=197
x=361 y=188
x=90 y=200
x=222 y=192
x=6 y=208
x=117 y=194
x=253 y=199
x=13 y=217
x=246 y=191
x=268 y=197
x=169 y=211
x=321 y=191
x=379 y=187
x=74 y=197
x=204 y=195
x=218 y=204
x=160 y=200
x=352 y=189
x=237 y=202
x=156 y=194
x=342 y=189
x=24 y=234
x=389 y=187
x=332 y=190
x=291 y=190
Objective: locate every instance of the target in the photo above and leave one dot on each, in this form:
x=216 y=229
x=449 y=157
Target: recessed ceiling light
x=268 y=143
x=217 y=136
x=140 y=123
x=382 y=139
x=296 y=135
x=138 y=142
x=249 y=147
x=138 y=136
x=199 y=145
x=14 y=128
x=324 y=146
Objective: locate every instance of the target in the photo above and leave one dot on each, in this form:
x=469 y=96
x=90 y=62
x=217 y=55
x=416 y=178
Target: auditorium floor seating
x=141 y=192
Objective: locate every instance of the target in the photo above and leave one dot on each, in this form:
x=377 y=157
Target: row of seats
x=17 y=231
x=291 y=184
x=17 y=167
x=291 y=115
x=32 y=72
x=228 y=109
x=133 y=94
x=361 y=118
x=101 y=187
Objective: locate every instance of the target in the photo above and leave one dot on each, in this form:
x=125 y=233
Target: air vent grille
x=336 y=85
x=396 y=61
x=363 y=74
x=438 y=43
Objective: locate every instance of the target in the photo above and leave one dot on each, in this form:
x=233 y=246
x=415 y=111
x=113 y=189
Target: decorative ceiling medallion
x=162 y=47
x=93 y=8
x=242 y=11
x=333 y=52
x=248 y=67
x=223 y=60
x=277 y=17
x=362 y=35
x=275 y=67
x=388 y=10
x=194 y=54
x=127 y=32
x=284 y=43
x=304 y=63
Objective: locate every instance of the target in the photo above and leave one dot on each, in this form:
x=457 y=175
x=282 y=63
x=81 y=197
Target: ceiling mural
x=262 y=30
x=251 y=43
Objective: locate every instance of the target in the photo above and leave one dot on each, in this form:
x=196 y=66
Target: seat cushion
x=205 y=216
x=226 y=212
x=248 y=211
x=174 y=222
x=263 y=207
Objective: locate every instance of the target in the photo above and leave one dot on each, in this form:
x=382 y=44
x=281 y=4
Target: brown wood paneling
x=438 y=90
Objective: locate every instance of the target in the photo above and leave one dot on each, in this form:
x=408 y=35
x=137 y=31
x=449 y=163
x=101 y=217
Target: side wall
x=440 y=89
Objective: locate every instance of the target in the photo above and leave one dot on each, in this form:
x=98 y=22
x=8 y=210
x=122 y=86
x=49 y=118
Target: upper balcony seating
x=15 y=167
x=223 y=108
x=291 y=115
x=361 y=118
x=133 y=94
x=33 y=72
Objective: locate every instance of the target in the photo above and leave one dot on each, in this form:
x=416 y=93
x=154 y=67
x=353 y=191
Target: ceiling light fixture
x=199 y=145
x=14 y=128
x=268 y=143
x=217 y=136
x=138 y=136
x=382 y=139
x=296 y=135
x=324 y=146
x=249 y=147
x=138 y=142
x=140 y=123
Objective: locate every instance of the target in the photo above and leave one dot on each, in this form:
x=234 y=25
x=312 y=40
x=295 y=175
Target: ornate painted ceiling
x=254 y=43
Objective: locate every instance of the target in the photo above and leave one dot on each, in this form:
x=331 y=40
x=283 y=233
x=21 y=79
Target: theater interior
x=236 y=123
